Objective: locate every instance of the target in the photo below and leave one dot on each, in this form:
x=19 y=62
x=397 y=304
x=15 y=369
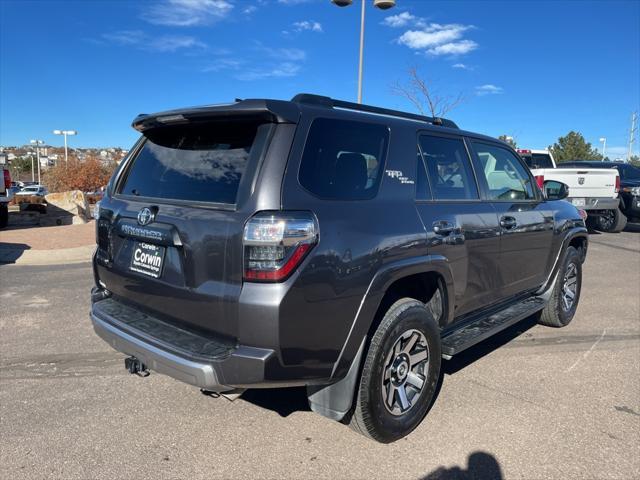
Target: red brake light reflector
x=275 y=243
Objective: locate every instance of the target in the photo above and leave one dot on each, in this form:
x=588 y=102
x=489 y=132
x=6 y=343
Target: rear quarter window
x=199 y=163
x=343 y=160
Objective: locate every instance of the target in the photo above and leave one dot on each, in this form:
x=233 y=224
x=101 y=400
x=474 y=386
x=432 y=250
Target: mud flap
x=334 y=401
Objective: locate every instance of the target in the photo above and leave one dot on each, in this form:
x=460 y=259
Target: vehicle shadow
x=475 y=353
x=632 y=227
x=10 y=252
x=283 y=401
x=480 y=465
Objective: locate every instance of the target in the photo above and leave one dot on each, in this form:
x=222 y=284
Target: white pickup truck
x=5 y=196
x=594 y=190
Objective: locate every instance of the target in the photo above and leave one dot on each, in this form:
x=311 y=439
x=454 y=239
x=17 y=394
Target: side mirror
x=555 y=190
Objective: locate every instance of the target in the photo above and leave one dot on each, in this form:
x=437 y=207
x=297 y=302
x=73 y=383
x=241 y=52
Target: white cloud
x=461 y=66
x=221 y=64
x=284 y=54
x=307 y=25
x=262 y=62
x=438 y=39
x=249 y=10
x=164 y=43
x=432 y=35
x=489 y=89
x=187 y=13
x=454 y=48
x=125 y=37
x=292 y=2
x=281 y=70
x=400 y=20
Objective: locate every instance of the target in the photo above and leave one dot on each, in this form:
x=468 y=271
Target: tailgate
x=170 y=237
x=588 y=183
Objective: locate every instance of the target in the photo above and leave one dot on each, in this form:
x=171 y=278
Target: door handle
x=508 y=222
x=442 y=227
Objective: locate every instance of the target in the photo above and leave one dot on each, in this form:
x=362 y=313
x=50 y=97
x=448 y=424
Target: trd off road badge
x=399 y=176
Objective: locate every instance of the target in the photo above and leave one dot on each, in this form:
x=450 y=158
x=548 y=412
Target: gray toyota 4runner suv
x=326 y=244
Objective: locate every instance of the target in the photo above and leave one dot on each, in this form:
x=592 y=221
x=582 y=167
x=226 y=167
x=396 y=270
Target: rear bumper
x=596 y=203
x=239 y=367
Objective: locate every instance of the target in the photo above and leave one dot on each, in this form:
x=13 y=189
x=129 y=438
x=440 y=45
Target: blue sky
x=534 y=70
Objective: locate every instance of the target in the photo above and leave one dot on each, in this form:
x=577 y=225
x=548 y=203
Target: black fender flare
x=381 y=281
x=568 y=236
x=335 y=400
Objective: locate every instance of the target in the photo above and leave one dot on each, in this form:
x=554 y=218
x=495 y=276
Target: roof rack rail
x=320 y=100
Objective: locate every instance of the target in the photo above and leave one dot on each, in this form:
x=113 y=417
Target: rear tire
x=613 y=221
x=400 y=373
x=566 y=292
x=4 y=215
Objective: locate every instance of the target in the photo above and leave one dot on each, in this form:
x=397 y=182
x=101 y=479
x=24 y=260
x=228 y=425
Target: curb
x=61 y=256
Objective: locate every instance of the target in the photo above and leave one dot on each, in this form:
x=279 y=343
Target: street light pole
x=361 y=59
x=604 y=147
x=33 y=178
x=382 y=5
x=65 y=133
x=37 y=143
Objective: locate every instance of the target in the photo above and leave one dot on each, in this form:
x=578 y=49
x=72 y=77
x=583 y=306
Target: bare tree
x=423 y=96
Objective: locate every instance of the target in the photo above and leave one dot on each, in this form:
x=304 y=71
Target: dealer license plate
x=147 y=259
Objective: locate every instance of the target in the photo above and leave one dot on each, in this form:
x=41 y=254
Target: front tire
x=613 y=221
x=566 y=292
x=400 y=373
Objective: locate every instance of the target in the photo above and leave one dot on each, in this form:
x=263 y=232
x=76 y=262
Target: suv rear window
x=537 y=160
x=343 y=160
x=199 y=163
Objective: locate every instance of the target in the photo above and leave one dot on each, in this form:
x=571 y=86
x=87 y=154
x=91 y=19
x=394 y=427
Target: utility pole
x=37 y=143
x=632 y=134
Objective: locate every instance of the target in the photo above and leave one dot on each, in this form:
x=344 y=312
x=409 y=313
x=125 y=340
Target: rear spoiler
x=276 y=111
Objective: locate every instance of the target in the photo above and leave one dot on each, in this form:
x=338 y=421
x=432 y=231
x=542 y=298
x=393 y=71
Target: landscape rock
x=73 y=203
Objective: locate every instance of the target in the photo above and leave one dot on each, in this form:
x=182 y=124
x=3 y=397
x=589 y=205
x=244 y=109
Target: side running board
x=475 y=331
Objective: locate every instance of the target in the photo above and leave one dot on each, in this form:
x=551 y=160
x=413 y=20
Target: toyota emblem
x=145 y=216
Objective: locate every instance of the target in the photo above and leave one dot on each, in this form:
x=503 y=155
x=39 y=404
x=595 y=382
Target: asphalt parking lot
x=533 y=403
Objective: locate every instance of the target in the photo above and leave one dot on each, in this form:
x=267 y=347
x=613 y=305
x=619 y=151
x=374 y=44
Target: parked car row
x=609 y=192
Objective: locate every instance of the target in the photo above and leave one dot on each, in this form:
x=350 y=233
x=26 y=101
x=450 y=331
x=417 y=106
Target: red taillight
x=275 y=243
x=284 y=271
x=617 y=183
x=540 y=181
x=7 y=179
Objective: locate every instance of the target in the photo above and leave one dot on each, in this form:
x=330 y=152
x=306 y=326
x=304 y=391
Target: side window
x=506 y=178
x=448 y=168
x=343 y=160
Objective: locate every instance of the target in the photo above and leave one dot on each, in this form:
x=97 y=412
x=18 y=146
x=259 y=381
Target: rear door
x=170 y=232
x=459 y=225
x=526 y=222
